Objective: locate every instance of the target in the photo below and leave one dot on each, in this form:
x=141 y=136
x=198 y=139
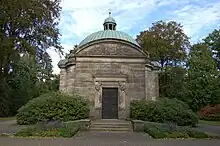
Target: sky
x=79 y=18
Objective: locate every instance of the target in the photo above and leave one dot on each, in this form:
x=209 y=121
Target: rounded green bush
x=53 y=106
x=163 y=111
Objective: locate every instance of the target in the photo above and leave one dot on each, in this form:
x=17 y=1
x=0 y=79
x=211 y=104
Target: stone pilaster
x=98 y=97
x=122 y=95
x=63 y=75
x=151 y=84
x=70 y=79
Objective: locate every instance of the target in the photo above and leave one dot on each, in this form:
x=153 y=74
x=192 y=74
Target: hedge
x=164 y=110
x=160 y=131
x=54 y=106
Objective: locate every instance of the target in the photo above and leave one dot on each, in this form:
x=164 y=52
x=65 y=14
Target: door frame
x=118 y=99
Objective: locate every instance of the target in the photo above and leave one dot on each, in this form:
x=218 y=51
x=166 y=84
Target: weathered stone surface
x=110 y=65
x=152 y=85
x=138 y=125
x=110 y=49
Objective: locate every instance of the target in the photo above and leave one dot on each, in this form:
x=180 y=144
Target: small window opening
x=110 y=26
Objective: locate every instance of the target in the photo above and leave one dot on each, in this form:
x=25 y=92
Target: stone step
x=119 y=124
x=110 y=126
x=122 y=129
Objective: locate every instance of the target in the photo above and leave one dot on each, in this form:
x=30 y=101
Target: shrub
x=163 y=110
x=160 y=131
x=53 y=106
x=210 y=113
x=177 y=134
x=196 y=134
x=214 y=117
x=155 y=132
x=48 y=131
x=25 y=132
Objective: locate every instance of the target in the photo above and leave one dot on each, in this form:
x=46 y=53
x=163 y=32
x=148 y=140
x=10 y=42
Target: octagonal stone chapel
x=110 y=69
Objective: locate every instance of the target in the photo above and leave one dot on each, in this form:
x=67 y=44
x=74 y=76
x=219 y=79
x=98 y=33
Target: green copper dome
x=109 y=32
x=109 y=19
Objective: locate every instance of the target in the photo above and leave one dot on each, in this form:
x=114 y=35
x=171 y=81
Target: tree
x=45 y=67
x=173 y=84
x=166 y=43
x=47 y=81
x=27 y=26
x=202 y=76
x=213 y=41
x=21 y=80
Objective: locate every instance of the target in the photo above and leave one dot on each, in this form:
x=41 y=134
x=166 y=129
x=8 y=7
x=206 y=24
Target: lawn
x=7 y=118
x=213 y=123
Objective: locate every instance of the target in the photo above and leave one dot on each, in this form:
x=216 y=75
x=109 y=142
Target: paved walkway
x=105 y=139
x=215 y=130
x=97 y=139
x=9 y=126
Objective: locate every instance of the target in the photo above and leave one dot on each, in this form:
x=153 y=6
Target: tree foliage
x=202 y=76
x=23 y=84
x=166 y=43
x=22 y=81
x=28 y=28
x=172 y=83
x=194 y=77
x=213 y=41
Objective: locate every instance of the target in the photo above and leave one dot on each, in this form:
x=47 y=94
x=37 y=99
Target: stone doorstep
x=112 y=129
x=111 y=125
x=109 y=121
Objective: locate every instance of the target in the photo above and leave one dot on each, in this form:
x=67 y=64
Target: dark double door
x=109 y=103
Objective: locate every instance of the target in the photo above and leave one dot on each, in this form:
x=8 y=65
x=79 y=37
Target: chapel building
x=110 y=69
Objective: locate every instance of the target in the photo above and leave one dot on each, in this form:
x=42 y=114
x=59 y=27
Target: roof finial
x=109 y=12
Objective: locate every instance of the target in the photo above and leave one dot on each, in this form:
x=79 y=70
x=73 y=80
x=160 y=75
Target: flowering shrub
x=210 y=112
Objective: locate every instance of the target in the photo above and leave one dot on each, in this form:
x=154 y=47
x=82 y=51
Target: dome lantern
x=109 y=23
x=109 y=33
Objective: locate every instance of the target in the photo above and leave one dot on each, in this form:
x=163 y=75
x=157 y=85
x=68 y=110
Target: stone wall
x=110 y=65
x=63 y=75
x=151 y=84
x=115 y=48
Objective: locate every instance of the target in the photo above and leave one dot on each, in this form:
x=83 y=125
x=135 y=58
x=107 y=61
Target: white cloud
x=88 y=15
x=196 y=18
x=56 y=58
x=81 y=17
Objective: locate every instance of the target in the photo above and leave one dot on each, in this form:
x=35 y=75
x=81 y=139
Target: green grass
x=7 y=118
x=213 y=123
